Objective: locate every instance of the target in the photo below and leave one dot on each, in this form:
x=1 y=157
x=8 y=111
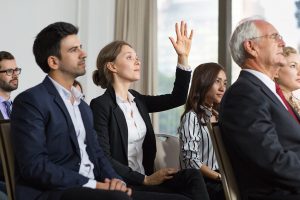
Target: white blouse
x=136 y=132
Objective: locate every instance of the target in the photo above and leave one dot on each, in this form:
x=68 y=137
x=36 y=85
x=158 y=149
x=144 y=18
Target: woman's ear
x=250 y=47
x=111 y=67
x=53 y=62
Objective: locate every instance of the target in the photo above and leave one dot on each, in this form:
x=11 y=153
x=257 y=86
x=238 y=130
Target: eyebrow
x=75 y=47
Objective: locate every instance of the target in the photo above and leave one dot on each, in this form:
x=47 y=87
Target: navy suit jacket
x=46 y=147
x=261 y=137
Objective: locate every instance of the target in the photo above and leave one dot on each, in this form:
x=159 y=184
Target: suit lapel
x=120 y=120
x=58 y=100
x=264 y=88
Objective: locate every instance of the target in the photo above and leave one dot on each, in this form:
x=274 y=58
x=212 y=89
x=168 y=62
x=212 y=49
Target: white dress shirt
x=267 y=81
x=136 y=132
x=86 y=166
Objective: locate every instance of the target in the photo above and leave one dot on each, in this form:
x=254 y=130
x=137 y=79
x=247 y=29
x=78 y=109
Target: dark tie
x=280 y=93
x=7 y=105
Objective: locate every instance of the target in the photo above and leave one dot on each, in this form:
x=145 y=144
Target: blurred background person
x=288 y=77
x=196 y=150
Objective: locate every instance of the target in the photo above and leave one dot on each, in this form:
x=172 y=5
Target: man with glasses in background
x=9 y=79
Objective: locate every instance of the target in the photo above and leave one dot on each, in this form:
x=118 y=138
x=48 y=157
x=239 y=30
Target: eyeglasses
x=10 y=72
x=274 y=36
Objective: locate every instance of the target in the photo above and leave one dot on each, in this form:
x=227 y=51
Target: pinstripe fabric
x=195 y=144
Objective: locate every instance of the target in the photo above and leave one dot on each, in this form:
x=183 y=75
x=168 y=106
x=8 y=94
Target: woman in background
x=123 y=125
x=288 y=77
x=196 y=150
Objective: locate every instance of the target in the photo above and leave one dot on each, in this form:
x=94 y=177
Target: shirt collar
x=129 y=96
x=66 y=94
x=2 y=99
x=264 y=78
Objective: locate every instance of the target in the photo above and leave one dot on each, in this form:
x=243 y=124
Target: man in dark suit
x=9 y=79
x=261 y=136
x=57 y=155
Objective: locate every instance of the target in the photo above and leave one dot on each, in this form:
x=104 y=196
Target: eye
x=293 y=66
x=10 y=71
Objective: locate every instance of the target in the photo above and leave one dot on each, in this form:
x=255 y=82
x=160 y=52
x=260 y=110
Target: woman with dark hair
x=196 y=150
x=123 y=125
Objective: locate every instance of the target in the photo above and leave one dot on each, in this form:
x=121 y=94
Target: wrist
x=219 y=177
x=145 y=182
x=183 y=60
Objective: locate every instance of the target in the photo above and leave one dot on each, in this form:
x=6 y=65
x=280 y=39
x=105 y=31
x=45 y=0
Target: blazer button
x=79 y=164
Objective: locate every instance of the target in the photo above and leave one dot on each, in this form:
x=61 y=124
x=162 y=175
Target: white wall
x=21 y=20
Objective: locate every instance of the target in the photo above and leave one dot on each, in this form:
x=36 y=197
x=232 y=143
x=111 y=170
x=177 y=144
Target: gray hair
x=246 y=30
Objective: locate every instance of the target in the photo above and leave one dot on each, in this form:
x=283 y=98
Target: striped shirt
x=195 y=144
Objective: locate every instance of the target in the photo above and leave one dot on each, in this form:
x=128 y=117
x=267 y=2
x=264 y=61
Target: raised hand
x=183 y=43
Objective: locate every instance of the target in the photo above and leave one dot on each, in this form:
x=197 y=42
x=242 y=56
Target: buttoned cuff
x=185 y=68
x=90 y=184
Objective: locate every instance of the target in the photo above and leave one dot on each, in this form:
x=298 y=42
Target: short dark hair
x=4 y=55
x=47 y=42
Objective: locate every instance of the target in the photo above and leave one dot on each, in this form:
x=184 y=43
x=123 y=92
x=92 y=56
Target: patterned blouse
x=195 y=143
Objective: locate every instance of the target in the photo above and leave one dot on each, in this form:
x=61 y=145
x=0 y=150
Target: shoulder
x=103 y=102
x=33 y=94
x=190 y=118
x=135 y=93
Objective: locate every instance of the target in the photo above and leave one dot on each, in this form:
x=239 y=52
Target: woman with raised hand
x=123 y=125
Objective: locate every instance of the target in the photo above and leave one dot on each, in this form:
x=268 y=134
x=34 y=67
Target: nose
x=83 y=53
x=137 y=61
x=281 y=42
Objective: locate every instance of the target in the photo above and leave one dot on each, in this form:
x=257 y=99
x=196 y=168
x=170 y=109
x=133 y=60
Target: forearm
x=209 y=173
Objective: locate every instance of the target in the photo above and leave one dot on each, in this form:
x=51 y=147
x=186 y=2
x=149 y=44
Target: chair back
x=228 y=179
x=7 y=158
x=167 y=151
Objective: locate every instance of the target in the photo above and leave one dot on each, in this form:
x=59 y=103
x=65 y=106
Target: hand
x=160 y=176
x=114 y=184
x=183 y=43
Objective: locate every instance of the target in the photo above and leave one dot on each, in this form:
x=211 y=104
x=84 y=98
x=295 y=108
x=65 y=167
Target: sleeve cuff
x=185 y=68
x=90 y=184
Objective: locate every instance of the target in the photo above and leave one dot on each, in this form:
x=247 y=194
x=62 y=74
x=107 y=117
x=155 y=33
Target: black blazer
x=261 y=137
x=46 y=147
x=111 y=127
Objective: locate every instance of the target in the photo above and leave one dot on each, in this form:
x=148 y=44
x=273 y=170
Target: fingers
x=191 y=34
x=129 y=191
x=185 y=29
x=117 y=184
x=177 y=31
x=173 y=42
x=182 y=25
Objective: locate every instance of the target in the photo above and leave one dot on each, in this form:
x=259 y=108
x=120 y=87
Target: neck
x=64 y=81
x=4 y=94
x=270 y=71
x=121 y=90
x=287 y=93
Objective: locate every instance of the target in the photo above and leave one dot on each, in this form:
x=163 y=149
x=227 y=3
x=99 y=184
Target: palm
x=183 y=42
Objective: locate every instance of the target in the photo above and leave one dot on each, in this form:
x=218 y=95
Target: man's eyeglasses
x=274 y=36
x=10 y=72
